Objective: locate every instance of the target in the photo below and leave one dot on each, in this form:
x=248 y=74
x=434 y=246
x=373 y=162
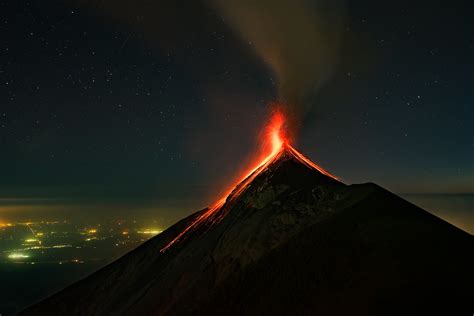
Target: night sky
x=164 y=102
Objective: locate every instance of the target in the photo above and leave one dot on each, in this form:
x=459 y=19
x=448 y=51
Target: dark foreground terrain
x=294 y=242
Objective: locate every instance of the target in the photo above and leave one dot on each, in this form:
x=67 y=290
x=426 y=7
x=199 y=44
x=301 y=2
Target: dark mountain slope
x=381 y=256
x=293 y=240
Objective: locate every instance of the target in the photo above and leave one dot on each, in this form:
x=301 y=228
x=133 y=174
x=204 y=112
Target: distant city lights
x=63 y=242
x=150 y=231
x=17 y=255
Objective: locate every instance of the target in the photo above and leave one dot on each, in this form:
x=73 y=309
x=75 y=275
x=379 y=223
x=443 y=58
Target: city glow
x=17 y=255
x=56 y=241
x=149 y=231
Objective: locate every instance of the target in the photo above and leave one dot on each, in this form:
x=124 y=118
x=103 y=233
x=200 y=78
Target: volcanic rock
x=294 y=241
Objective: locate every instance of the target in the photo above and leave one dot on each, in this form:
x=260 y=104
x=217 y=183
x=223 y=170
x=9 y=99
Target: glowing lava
x=275 y=142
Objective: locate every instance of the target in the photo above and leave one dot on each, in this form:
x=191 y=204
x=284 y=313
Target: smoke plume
x=298 y=39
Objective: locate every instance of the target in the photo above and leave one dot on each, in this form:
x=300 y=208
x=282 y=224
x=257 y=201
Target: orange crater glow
x=274 y=141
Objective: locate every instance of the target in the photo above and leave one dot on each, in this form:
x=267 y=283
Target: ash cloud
x=298 y=39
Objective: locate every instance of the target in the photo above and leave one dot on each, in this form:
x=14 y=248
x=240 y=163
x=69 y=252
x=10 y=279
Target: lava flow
x=275 y=142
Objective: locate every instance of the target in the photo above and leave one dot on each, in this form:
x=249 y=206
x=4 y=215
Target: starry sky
x=164 y=102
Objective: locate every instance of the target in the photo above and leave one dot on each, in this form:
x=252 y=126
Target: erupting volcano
x=275 y=144
x=288 y=238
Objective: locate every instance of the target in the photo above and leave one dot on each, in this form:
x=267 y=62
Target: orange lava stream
x=276 y=138
x=309 y=163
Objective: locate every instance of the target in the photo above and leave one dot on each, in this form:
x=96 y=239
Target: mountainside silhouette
x=291 y=241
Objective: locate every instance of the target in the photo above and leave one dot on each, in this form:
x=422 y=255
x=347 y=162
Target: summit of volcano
x=288 y=238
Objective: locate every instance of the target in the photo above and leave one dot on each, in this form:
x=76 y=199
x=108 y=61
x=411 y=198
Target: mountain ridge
x=248 y=241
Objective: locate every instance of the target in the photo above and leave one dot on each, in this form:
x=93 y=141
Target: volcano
x=288 y=238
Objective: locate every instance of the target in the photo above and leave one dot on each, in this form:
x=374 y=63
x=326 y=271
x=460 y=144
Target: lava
x=275 y=142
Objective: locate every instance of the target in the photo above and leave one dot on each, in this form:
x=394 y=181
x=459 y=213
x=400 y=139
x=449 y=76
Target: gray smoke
x=298 y=39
